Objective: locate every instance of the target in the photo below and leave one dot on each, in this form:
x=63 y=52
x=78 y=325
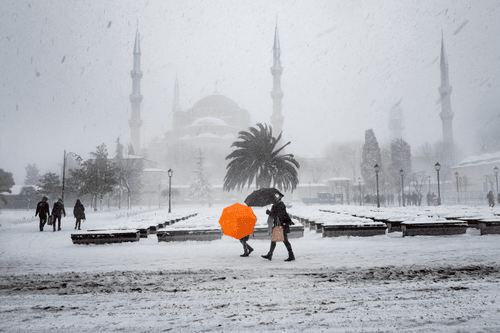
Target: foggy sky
x=65 y=73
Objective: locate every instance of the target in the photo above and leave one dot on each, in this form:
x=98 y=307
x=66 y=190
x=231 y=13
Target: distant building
x=477 y=173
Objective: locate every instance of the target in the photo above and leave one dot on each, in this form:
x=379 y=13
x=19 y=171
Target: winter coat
x=58 y=209
x=79 y=211
x=42 y=209
x=280 y=216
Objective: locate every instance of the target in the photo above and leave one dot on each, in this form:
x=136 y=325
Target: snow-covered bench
x=489 y=226
x=359 y=229
x=185 y=234
x=433 y=228
x=105 y=237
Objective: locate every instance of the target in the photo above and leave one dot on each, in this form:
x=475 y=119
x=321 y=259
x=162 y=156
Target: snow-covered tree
x=50 y=186
x=32 y=175
x=128 y=174
x=201 y=188
x=370 y=156
x=400 y=160
x=6 y=182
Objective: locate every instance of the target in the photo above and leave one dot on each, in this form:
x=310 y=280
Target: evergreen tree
x=370 y=156
x=128 y=174
x=32 y=175
x=201 y=188
x=50 y=186
x=101 y=173
x=400 y=160
x=6 y=182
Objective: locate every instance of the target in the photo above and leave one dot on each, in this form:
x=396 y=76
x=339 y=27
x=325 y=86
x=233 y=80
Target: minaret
x=445 y=91
x=176 y=106
x=396 y=122
x=276 y=94
x=135 y=121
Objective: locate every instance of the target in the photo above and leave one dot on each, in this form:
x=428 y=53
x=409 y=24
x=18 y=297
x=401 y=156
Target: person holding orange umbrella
x=246 y=248
x=281 y=220
x=238 y=221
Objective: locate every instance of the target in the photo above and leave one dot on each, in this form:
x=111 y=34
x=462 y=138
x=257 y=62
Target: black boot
x=268 y=256
x=288 y=246
x=246 y=254
x=250 y=249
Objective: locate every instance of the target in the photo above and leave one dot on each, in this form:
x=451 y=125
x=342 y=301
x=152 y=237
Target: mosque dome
x=209 y=121
x=216 y=101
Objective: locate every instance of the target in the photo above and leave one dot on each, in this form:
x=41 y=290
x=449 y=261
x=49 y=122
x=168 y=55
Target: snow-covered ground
x=346 y=284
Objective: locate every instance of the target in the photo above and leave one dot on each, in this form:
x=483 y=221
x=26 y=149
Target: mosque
x=208 y=127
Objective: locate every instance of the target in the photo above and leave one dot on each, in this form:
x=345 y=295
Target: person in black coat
x=42 y=210
x=78 y=213
x=57 y=210
x=281 y=218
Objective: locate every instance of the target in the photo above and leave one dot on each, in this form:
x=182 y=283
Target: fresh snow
x=345 y=284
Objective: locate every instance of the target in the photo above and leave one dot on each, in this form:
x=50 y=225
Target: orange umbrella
x=237 y=221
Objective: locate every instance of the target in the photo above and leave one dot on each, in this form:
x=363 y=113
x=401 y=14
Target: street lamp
x=402 y=173
x=377 y=169
x=496 y=175
x=78 y=160
x=170 y=172
x=359 y=182
x=437 y=166
x=456 y=176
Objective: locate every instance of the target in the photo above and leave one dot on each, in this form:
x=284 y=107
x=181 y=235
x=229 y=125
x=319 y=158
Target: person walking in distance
x=57 y=210
x=42 y=210
x=281 y=218
x=78 y=213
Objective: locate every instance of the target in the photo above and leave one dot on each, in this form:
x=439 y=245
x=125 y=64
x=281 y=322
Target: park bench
x=353 y=229
x=433 y=228
x=105 y=236
x=489 y=226
x=186 y=234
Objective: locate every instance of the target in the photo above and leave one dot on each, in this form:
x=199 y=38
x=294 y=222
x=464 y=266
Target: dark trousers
x=56 y=218
x=246 y=247
x=286 y=242
x=78 y=223
x=43 y=220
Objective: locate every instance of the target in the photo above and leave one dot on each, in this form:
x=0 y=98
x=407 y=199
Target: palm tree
x=256 y=157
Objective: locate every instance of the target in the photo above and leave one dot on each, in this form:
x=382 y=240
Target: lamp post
x=170 y=172
x=359 y=182
x=377 y=169
x=429 y=177
x=437 y=166
x=78 y=160
x=456 y=177
x=402 y=173
x=496 y=175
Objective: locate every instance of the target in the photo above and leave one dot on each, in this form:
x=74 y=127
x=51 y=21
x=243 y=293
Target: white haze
x=65 y=74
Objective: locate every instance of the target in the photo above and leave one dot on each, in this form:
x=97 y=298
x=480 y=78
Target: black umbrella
x=262 y=197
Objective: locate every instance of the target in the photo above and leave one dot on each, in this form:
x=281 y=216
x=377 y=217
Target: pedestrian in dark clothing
x=281 y=218
x=42 y=210
x=78 y=213
x=246 y=248
x=57 y=210
x=491 y=199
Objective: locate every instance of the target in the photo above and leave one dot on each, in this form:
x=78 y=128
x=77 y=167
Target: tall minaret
x=276 y=94
x=445 y=91
x=176 y=105
x=135 y=121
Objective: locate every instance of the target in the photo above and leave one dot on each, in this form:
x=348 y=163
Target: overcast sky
x=65 y=74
